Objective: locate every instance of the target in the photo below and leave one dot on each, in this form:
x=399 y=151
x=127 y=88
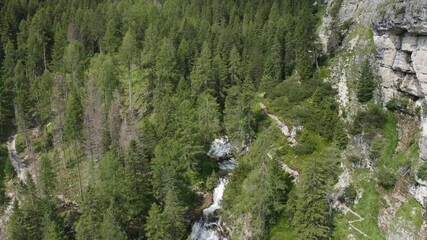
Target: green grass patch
x=411 y=211
x=389 y=133
x=389 y=158
x=283 y=230
x=367 y=207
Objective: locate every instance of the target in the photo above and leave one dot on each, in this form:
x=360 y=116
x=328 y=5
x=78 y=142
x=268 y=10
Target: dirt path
x=291 y=138
x=282 y=126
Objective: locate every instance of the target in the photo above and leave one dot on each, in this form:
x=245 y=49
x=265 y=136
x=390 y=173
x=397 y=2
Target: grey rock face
x=403 y=68
x=409 y=43
x=411 y=85
x=403 y=63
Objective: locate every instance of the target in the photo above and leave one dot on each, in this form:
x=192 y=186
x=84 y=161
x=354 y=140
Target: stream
x=209 y=227
x=15 y=159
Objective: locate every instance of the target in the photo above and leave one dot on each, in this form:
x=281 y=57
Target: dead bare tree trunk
x=44 y=56
x=59 y=108
x=130 y=93
x=93 y=120
x=77 y=159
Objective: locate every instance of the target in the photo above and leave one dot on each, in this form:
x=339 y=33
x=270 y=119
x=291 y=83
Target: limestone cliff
x=392 y=35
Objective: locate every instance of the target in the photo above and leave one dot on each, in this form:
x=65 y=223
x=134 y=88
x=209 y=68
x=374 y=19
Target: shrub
x=341 y=137
x=397 y=104
x=348 y=196
x=401 y=10
x=386 y=179
x=354 y=159
x=38 y=145
x=19 y=143
x=211 y=181
x=369 y=120
x=305 y=146
x=422 y=172
x=376 y=148
x=418 y=110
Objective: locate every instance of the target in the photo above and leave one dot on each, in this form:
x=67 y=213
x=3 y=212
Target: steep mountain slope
x=293 y=119
x=391 y=35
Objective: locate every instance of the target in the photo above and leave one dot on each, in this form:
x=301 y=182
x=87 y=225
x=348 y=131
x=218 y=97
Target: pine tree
x=74 y=117
x=304 y=37
x=366 y=85
x=51 y=222
x=138 y=187
x=201 y=73
x=103 y=70
x=174 y=215
x=7 y=83
x=22 y=100
x=311 y=216
x=110 y=229
x=220 y=74
x=73 y=61
x=128 y=54
x=52 y=231
x=238 y=113
x=157 y=225
x=47 y=176
x=26 y=221
x=89 y=223
x=208 y=117
x=112 y=36
x=234 y=68
x=166 y=71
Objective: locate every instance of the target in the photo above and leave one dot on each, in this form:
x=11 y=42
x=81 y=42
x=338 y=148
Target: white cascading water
x=209 y=227
x=217 y=197
x=220 y=148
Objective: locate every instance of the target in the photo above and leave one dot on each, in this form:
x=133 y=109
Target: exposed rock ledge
x=401 y=51
x=402 y=62
x=415 y=25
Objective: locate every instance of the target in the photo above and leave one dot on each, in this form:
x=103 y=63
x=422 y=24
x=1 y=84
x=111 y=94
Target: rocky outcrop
x=402 y=58
x=400 y=38
x=394 y=33
x=402 y=64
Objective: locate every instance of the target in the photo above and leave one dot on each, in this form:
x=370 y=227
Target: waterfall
x=217 y=197
x=209 y=227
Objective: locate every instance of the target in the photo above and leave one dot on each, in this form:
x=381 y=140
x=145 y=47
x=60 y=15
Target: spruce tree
x=157 y=225
x=208 y=117
x=128 y=54
x=366 y=84
x=201 y=74
x=304 y=37
x=110 y=229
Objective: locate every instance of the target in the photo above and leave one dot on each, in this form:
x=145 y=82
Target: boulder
x=409 y=43
x=402 y=62
x=411 y=85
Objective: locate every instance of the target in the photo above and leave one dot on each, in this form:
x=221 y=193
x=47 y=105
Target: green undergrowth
x=390 y=158
x=411 y=211
x=367 y=207
x=6 y=173
x=283 y=231
x=390 y=136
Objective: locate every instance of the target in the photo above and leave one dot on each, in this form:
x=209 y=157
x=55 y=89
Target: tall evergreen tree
x=304 y=37
x=366 y=84
x=201 y=74
x=129 y=53
x=157 y=225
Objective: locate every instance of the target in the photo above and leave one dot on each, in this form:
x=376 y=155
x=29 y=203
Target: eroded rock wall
x=396 y=45
x=402 y=60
